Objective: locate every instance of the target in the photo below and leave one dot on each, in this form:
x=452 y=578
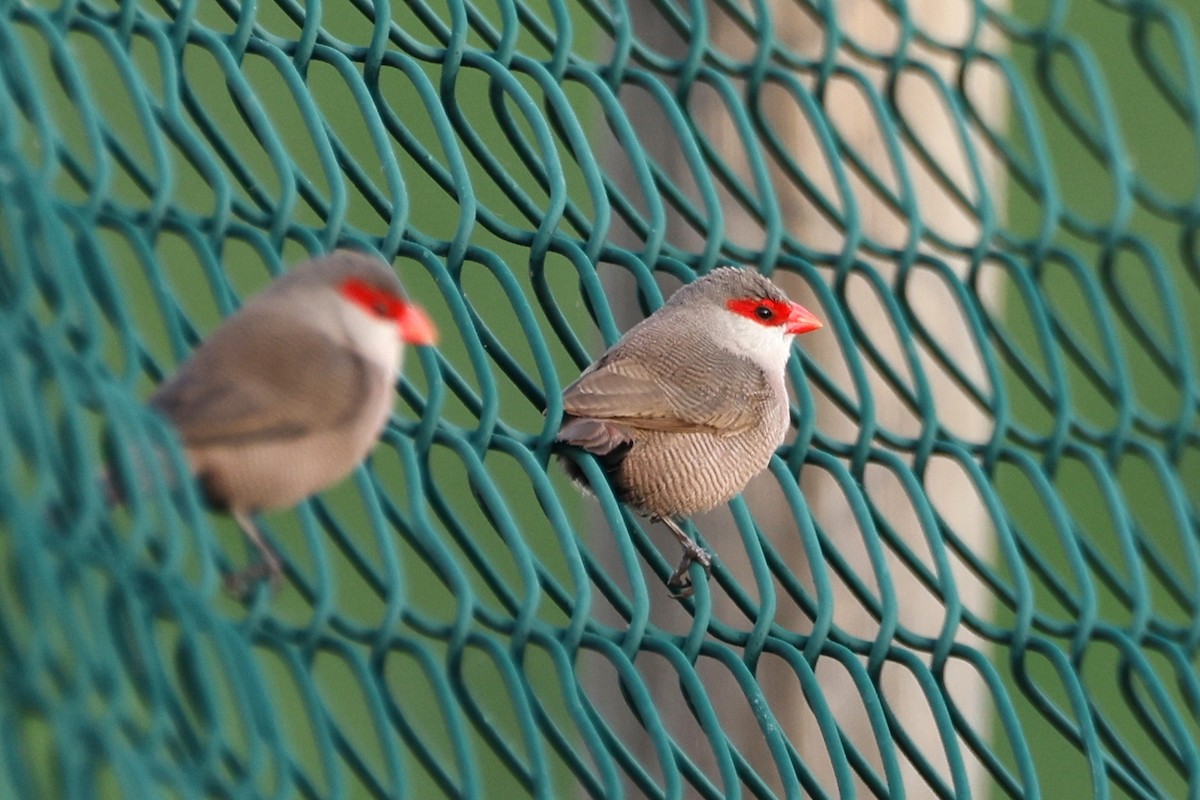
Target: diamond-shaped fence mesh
x=972 y=570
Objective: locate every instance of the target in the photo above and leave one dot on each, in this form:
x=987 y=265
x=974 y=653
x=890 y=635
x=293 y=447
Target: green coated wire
x=463 y=141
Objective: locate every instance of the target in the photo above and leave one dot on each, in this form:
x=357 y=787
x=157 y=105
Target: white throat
x=375 y=339
x=768 y=346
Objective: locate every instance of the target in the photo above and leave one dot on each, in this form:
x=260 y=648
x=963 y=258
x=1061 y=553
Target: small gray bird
x=690 y=404
x=290 y=393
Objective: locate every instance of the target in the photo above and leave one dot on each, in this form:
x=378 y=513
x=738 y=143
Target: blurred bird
x=286 y=396
x=690 y=404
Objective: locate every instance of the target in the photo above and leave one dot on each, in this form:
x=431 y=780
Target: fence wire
x=447 y=620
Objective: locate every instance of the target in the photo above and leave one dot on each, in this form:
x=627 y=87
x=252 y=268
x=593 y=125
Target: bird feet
x=242 y=582
x=679 y=584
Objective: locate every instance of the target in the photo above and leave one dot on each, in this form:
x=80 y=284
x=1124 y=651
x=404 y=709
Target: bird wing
x=279 y=381
x=697 y=397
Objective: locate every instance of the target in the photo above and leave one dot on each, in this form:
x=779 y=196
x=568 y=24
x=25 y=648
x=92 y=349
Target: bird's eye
x=381 y=308
x=759 y=310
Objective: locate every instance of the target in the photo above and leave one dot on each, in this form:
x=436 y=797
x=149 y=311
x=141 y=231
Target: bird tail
x=608 y=442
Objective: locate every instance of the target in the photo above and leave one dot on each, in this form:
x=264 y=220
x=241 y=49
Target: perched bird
x=690 y=404
x=290 y=393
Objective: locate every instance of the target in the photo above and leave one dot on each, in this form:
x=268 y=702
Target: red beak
x=801 y=320
x=415 y=326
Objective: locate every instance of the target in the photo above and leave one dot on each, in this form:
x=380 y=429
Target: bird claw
x=242 y=582
x=679 y=584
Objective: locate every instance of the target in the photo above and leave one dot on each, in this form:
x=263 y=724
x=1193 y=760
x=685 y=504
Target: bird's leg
x=268 y=566
x=680 y=582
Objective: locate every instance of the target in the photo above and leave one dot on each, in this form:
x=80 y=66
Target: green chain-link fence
x=973 y=569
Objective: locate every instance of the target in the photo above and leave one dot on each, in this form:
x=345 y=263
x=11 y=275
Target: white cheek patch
x=376 y=339
x=768 y=345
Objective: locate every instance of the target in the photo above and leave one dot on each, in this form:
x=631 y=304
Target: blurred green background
x=418 y=678
x=1162 y=150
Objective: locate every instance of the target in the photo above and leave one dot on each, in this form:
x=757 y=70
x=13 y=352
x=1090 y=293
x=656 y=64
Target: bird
x=287 y=395
x=690 y=403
